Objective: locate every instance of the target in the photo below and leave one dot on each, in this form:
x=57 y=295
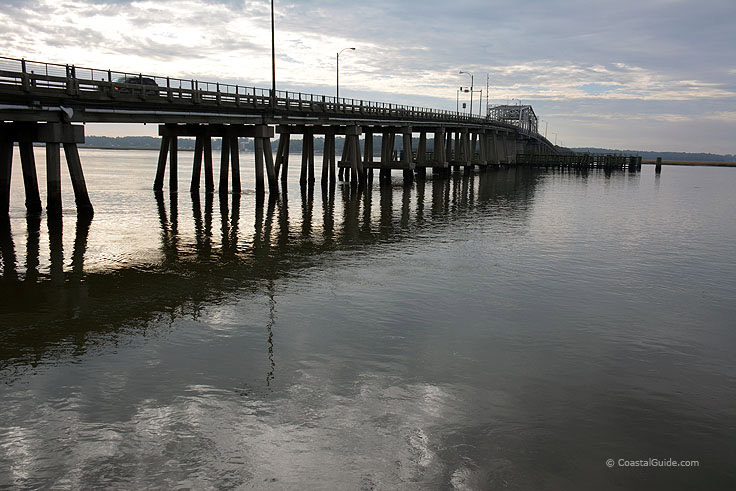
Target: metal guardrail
x=75 y=80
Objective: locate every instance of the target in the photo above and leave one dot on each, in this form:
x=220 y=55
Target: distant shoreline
x=98 y=147
x=700 y=163
x=649 y=162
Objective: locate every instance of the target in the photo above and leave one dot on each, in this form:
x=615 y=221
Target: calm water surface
x=510 y=329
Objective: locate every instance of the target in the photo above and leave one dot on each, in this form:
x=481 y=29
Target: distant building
x=518 y=115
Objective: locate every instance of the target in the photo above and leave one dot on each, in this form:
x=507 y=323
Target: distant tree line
x=246 y=144
x=295 y=146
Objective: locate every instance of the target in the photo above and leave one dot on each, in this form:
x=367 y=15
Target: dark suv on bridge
x=148 y=84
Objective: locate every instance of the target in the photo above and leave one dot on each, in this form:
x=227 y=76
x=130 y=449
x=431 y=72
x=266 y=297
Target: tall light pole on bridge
x=471 y=90
x=337 y=83
x=273 y=59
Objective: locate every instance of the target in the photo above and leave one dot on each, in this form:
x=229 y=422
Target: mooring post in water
x=658 y=167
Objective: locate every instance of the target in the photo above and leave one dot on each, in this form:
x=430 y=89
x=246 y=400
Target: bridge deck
x=36 y=91
x=40 y=101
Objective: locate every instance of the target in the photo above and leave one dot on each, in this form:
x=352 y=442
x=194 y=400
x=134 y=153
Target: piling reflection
x=48 y=315
x=7 y=252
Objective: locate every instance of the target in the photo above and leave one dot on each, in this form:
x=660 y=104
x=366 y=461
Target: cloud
x=407 y=52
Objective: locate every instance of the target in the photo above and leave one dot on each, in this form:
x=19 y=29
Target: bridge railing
x=75 y=80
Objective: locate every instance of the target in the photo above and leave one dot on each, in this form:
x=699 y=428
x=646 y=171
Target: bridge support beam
x=53 y=135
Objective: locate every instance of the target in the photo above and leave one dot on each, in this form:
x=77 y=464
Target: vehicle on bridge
x=146 y=84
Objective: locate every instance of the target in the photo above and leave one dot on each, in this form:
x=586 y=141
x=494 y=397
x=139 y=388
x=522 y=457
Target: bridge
x=47 y=103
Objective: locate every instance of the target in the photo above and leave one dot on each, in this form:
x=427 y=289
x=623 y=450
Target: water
x=512 y=329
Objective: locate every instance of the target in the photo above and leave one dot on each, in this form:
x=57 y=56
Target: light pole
x=488 y=88
x=471 y=90
x=555 y=137
x=273 y=59
x=337 y=83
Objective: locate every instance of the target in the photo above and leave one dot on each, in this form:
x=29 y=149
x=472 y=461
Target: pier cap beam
x=42 y=132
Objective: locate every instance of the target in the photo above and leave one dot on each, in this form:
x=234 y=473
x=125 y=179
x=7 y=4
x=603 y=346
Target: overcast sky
x=633 y=74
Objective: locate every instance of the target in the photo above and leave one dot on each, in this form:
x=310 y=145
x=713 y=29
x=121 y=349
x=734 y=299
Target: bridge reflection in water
x=57 y=311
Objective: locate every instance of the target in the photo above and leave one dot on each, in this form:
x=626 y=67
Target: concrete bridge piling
x=53 y=136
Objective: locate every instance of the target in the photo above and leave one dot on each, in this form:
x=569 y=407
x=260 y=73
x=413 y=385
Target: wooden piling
x=658 y=167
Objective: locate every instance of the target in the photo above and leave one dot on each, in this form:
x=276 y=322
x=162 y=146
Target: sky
x=626 y=74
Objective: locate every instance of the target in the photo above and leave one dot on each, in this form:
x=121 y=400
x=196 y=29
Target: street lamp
x=337 y=83
x=273 y=60
x=471 y=90
x=555 y=137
